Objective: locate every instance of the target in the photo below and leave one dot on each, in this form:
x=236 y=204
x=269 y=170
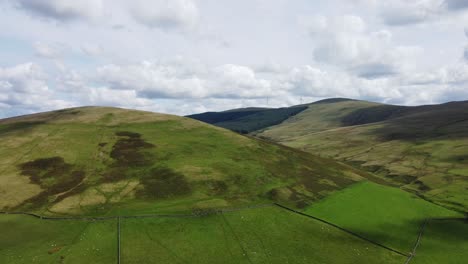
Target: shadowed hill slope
x=98 y=160
x=246 y=120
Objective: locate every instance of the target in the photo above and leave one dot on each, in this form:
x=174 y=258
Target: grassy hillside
x=98 y=161
x=319 y=116
x=424 y=148
x=246 y=120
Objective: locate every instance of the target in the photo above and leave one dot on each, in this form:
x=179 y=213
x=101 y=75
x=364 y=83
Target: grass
x=383 y=214
x=267 y=235
x=24 y=239
x=443 y=242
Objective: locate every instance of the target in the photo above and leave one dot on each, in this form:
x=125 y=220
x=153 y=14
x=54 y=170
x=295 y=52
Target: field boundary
x=118 y=240
x=214 y=211
x=342 y=229
x=200 y=213
x=421 y=232
x=418 y=240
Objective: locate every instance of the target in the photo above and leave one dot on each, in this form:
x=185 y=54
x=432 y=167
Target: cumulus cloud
x=51 y=50
x=24 y=88
x=62 y=10
x=166 y=14
x=181 y=80
x=345 y=41
x=399 y=13
x=456 y=4
x=152 y=80
x=402 y=12
x=92 y=50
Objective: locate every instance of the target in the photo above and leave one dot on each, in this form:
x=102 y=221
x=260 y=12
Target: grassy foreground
x=262 y=235
x=24 y=239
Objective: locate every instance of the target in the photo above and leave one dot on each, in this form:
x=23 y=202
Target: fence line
x=199 y=213
x=118 y=240
x=418 y=240
x=342 y=229
x=207 y=212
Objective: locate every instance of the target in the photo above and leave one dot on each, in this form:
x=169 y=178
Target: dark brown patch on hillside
x=128 y=151
x=216 y=187
x=53 y=174
x=163 y=183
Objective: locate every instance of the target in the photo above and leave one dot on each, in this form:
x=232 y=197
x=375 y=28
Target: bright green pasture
x=384 y=214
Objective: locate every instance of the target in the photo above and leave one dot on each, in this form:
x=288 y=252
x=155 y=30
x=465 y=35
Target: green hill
x=422 y=148
x=96 y=161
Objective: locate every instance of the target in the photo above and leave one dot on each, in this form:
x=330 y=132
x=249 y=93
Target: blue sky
x=189 y=56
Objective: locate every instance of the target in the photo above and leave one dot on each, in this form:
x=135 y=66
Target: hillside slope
x=96 y=160
x=422 y=148
x=246 y=120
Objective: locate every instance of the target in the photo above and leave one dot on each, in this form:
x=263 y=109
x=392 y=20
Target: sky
x=191 y=56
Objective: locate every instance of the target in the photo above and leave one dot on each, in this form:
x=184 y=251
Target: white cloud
x=399 y=12
x=62 y=10
x=178 y=79
x=166 y=14
x=346 y=42
x=404 y=13
x=92 y=50
x=152 y=80
x=51 y=51
x=24 y=89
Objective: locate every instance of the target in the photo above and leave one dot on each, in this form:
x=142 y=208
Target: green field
x=383 y=214
x=443 y=242
x=260 y=235
x=24 y=239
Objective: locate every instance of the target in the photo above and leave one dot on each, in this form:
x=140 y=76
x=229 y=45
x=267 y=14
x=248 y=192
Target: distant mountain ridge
x=246 y=120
